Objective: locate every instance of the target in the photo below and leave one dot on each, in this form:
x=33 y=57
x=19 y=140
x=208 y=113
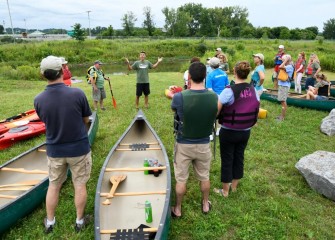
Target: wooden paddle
x=22 y=170
x=115 y=180
x=24 y=188
x=23 y=183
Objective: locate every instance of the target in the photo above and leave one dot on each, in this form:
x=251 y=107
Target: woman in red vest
x=299 y=68
x=66 y=73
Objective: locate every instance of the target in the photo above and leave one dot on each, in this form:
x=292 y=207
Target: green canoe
x=299 y=100
x=24 y=181
x=124 y=213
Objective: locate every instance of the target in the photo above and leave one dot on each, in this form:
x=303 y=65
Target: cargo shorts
x=98 y=95
x=199 y=155
x=80 y=168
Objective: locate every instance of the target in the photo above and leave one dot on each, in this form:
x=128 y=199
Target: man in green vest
x=142 y=80
x=195 y=113
x=97 y=78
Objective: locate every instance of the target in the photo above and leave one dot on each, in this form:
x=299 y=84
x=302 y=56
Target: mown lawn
x=273 y=201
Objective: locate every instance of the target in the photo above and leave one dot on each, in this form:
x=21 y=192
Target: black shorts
x=142 y=88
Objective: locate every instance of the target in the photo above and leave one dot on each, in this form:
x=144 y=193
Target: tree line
x=194 y=20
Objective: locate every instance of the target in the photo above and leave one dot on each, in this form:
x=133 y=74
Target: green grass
x=273 y=201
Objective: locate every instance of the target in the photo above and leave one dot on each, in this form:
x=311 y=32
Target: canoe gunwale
x=166 y=211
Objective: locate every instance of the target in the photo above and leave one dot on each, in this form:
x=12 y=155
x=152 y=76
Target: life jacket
x=242 y=114
x=309 y=69
x=277 y=60
x=88 y=74
x=298 y=64
x=199 y=111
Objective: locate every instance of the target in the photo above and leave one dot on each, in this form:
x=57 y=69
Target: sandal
x=209 y=207
x=173 y=215
x=221 y=192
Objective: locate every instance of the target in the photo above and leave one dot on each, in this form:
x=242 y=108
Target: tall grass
x=21 y=61
x=273 y=201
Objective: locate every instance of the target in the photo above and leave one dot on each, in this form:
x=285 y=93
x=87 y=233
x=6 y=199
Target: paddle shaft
x=22 y=170
x=134 y=169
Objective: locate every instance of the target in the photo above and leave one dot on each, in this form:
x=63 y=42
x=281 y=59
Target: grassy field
x=273 y=201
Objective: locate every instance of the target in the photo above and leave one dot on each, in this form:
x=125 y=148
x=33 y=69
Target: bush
x=202 y=48
x=240 y=47
x=28 y=73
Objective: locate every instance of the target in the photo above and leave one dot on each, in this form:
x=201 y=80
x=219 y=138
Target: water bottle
x=146 y=164
x=148 y=212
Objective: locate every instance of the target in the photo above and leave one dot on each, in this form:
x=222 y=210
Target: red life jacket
x=243 y=113
x=309 y=69
x=298 y=64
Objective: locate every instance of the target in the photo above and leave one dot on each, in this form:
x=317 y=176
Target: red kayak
x=18 y=120
x=13 y=135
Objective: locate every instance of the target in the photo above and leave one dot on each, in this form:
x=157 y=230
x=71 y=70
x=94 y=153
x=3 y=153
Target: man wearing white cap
x=277 y=60
x=218 y=52
x=65 y=112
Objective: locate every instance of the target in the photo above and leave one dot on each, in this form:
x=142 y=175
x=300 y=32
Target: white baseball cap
x=219 y=49
x=214 y=61
x=281 y=46
x=51 y=63
x=261 y=56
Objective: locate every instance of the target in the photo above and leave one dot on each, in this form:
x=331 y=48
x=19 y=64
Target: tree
x=148 y=22
x=329 y=29
x=313 y=29
x=1 y=29
x=78 y=33
x=170 y=20
x=128 y=23
x=284 y=33
x=182 y=28
x=194 y=11
x=109 y=32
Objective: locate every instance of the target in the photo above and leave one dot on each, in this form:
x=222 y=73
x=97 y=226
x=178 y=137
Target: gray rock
x=318 y=169
x=328 y=124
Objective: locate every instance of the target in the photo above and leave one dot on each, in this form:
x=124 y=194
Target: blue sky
x=65 y=13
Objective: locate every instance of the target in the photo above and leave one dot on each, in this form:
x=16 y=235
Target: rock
x=328 y=124
x=318 y=169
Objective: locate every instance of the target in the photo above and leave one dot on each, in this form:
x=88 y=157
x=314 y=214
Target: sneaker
x=211 y=137
x=47 y=228
x=79 y=227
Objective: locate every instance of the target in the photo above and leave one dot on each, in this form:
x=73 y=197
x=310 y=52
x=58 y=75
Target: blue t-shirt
x=217 y=80
x=255 y=76
x=177 y=105
x=289 y=69
x=62 y=109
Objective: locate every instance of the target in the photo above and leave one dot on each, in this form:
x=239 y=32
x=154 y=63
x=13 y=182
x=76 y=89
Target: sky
x=42 y=14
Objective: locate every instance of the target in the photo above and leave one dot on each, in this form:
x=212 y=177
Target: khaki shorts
x=99 y=94
x=282 y=93
x=199 y=155
x=80 y=169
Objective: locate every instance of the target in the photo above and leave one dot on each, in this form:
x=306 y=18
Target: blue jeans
x=309 y=82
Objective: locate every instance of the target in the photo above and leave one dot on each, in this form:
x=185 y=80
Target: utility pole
x=4 y=28
x=10 y=18
x=89 y=23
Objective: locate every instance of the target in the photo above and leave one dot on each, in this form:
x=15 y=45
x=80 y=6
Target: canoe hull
x=328 y=105
x=13 y=210
x=127 y=212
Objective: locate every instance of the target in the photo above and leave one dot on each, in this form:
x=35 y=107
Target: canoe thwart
x=111 y=231
x=22 y=170
x=137 y=149
x=131 y=144
x=8 y=196
x=23 y=183
x=134 y=193
x=24 y=188
x=134 y=169
x=41 y=150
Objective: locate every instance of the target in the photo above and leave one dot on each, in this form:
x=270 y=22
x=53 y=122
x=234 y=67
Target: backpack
x=88 y=74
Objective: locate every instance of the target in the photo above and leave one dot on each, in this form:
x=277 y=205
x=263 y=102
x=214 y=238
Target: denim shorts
x=321 y=98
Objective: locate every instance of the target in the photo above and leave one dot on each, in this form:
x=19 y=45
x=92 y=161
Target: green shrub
x=240 y=47
x=28 y=73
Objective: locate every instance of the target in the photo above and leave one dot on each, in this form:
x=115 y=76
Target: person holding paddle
x=65 y=112
x=97 y=78
x=141 y=67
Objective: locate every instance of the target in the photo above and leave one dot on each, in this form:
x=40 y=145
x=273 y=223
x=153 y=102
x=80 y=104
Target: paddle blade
x=114 y=102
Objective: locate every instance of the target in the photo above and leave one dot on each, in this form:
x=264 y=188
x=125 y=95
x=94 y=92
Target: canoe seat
x=132 y=234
